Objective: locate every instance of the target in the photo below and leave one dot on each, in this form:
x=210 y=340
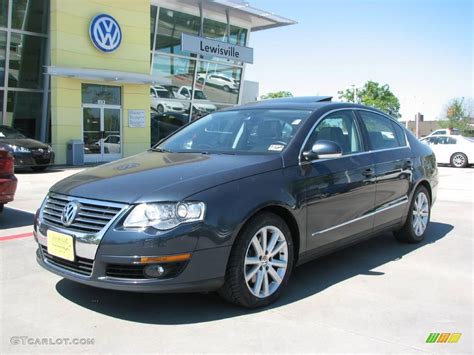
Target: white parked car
x=455 y=150
x=111 y=144
x=201 y=103
x=445 y=131
x=219 y=80
x=162 y=100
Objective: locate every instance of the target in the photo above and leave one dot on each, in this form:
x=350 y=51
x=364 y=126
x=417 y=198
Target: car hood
x=25 y=142
x=155 y=176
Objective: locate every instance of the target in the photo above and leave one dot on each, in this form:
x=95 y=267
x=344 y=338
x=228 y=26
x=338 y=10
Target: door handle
x=368 y=172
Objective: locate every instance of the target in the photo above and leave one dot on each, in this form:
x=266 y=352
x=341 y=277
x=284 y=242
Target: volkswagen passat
x=234 y=201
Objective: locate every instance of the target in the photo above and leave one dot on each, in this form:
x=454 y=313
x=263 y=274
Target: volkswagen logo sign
x=105 y=33
x=70 y=212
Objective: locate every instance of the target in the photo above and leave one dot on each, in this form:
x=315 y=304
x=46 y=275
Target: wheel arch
x=427 y=185
x=288 y=217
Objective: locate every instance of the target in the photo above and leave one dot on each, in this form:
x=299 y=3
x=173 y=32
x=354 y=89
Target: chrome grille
x=92 y=217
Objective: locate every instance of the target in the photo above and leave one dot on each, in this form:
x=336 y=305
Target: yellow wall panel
x=72 y=47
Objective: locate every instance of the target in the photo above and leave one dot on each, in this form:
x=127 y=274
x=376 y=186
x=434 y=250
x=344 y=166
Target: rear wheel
x=418 y=218
x=459 y=160
x=260 y=263
x=160 y=108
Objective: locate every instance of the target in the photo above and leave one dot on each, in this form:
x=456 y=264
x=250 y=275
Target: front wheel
x=418 y=218
x=459 y=160
x=260 y=263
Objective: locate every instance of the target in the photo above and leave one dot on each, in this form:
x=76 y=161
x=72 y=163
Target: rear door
x=340 y=192
x=393 y=166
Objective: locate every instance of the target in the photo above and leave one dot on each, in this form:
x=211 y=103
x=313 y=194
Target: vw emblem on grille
x=105 y=33
x=70 y=212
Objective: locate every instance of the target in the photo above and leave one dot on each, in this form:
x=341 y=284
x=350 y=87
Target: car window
x=382 y=131
x=446 y=140
x=152 y=93
x=339 y=127
x=259 y=131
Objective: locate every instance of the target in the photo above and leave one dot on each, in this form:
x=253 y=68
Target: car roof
x=310 y=103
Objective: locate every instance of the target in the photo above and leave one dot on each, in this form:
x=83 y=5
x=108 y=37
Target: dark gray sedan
x=235 y=200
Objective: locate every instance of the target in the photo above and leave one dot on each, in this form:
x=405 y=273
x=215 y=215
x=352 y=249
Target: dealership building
x=108 y=74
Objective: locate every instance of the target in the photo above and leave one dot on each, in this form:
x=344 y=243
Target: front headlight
x=164 y=216
x=20 y=149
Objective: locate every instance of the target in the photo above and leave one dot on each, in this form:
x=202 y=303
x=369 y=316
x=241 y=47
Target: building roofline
x=267 y=19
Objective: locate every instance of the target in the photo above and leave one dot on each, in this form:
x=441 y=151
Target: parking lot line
x=16 y=236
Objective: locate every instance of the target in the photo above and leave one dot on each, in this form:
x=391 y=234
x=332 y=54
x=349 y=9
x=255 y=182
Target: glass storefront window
x=171 y=24
x=220 y=83
x=101 y=94
x=215 y=30
x=28 y=15
x=3 y=46
x=238 y=35
x=26 y=110
x=152 y=25
x=3 y=13
x=26 y=61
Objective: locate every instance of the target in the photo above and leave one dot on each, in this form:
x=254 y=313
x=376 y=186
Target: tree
x=456 y=116
x=276 y=95
x=375 y=95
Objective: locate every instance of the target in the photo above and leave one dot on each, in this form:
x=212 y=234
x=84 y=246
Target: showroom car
x=457 y=151
x=220 y=81
x=201 y=103
x=234 y=201
x=162 y=100
x=28 y=153
x=8 y=181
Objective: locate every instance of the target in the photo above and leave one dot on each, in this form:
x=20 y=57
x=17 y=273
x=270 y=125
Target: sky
x=423 y=49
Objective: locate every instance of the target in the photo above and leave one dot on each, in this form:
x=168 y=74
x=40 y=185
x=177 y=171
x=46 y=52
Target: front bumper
x=199 y=275
x=32 y=159
x=204 y=271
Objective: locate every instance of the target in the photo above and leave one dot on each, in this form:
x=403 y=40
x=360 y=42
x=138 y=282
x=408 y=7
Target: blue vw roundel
x=105 y=33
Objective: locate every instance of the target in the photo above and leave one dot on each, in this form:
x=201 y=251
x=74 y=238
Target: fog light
x=154 y=271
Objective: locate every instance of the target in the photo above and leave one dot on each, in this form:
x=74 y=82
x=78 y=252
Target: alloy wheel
x=266 y=261
x=420 y=214
x=459 y=160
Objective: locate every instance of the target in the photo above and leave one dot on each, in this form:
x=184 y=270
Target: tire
x=39 y=168
x=226 y=88
x=414 y=229
x=459 y=160
x=160 y=108
x=236 y=288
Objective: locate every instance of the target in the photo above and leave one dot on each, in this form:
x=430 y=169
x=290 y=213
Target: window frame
x=303 y=161
x=366 y=134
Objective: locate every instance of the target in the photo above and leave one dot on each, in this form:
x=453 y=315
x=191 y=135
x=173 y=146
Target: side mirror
x=323 y=149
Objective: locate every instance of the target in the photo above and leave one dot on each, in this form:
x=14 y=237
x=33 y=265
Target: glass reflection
x=220 y=83
x=26 y=61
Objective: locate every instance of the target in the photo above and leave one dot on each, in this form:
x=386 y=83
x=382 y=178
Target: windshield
x=10 y=133
x=260 y=131
x=199 y=95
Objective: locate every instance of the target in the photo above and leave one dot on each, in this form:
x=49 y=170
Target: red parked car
x=7 y=178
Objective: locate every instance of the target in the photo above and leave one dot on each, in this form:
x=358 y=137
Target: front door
x=101 y=132
x=340 y=191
